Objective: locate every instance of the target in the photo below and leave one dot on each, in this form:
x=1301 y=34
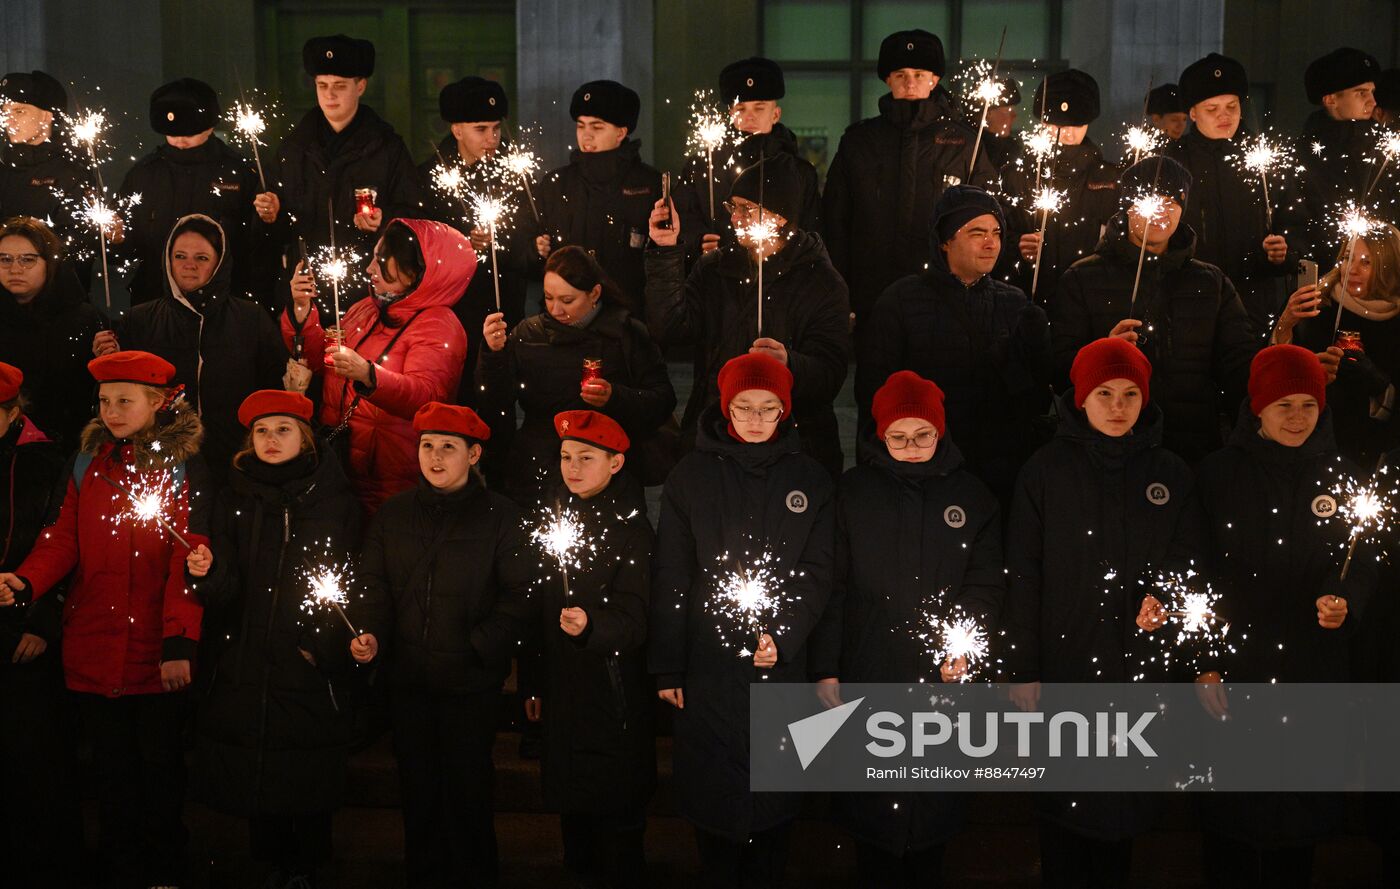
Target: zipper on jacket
x=428 y=607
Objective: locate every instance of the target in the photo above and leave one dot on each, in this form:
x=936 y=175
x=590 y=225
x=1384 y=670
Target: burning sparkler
x=104 y=217
x=1354 y=225
x=1261 y=156
x=1040 y=142
x=1142 y=140
x=760 y=235
x=335 y=265
x=521 y=162
x=148 y=500
x=747 y=595
x=250 y=123
x=86 y=130
x=327 y=587
x=1151 y=208
x=1363 y=507
x=1390 y=147
x=562 y=536
x=988 y=91
x=1047 y=200
x=710 y=131
x=489 y=212
x=948 y=639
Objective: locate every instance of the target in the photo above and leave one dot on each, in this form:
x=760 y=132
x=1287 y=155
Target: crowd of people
x=1052 y=406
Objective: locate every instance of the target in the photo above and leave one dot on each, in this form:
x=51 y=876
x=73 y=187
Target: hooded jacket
x=1197 y=334
x=888 y=174
x=128 y=606
x=29 y=471
x=715 y=309
x=725 y=506
x=224 y=348
x=416 y=347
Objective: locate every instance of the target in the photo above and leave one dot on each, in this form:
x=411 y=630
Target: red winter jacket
x=128 y=607
x=425 y=364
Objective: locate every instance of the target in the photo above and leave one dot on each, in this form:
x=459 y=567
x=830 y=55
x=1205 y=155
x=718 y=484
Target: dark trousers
x=443 y=746
x=605 y=850
x=877 y=868
x=295 y=844
x=1231 y=864
x=139 y=765
x=1069 y=860
x=38 y=841
x=754 y=863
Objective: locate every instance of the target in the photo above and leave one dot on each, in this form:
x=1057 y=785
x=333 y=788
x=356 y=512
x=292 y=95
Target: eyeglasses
x=745 y=211
x=749 y=414
x=24 y=260
x=899 y=442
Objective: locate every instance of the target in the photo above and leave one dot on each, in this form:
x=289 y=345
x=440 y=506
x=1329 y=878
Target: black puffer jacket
x=888 y=173
x=47 y=182
x=1226 y=211
x=1090 y=186
x=272 y=733
x=601 y=201
x=212 y=180
x=726 y=504
x=224 y=348
x=541 y=368
x=1340 y=159
x=30 y=469
x=692 y=195
x=1091 y=515
x=1198 y=336
x=50 y=339
x=446 y=581
x=715 y=309
x=986 y=346
x=318 y=170
x=599 y=747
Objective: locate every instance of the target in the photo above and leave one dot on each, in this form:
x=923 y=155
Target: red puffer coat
x=424 y=364
x=128 y=607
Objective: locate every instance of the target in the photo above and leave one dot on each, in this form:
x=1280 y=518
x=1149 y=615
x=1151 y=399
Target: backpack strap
x=81 y=462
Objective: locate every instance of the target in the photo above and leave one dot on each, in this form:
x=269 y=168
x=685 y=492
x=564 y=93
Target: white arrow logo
x=811 y=735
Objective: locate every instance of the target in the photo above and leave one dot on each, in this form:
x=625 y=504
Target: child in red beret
x=746 y=495
x=271 y=741
x=446 y=574
x=131 y=622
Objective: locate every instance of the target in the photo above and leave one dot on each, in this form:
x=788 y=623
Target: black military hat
x=1165 y=99
x=1155 y=174
x=34 y=88
x=1215 y=75
x=472 y=99
x=1010 y=92
x=184 y=107
x=1340 y=69
x=1388 y=89
x=775 y=184
x=607 y=100
x=911 y=49
x=338 y=56
x=1072 y=101
x=751 y=80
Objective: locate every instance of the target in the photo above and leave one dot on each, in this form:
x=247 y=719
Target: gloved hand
x=1357 y=369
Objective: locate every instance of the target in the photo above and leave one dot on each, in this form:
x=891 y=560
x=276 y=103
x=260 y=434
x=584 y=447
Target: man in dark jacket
x=1186 y=316
x=1076 y=169
x=751 y=88
x=1226 y=208
x=602 y=198
x=804 y=319
x=192 y=171
x=474 y=109
x=890 y=170
x=1339 y=148
x=38 y=175
x=980 y=339
x=339 y=148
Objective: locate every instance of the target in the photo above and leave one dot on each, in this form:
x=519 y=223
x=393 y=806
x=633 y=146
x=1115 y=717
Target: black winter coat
x=988 y=349
x=1090 y=186
x=599 y=745
x=212 y=180
x=50 y=339
x=1091 y=517
x=692 y=195
x=1226 y=211
x=272 y=736
x=726 y=504
x=318 y=170
x=446 y=580
x=601 y=201
x=888 y=174
x=541 y=368
x=715 y=309
x=1340 y=159
x=1198 y=336
x=47 y=182
x=915 y=542
x=224 y=349
x=31 y=469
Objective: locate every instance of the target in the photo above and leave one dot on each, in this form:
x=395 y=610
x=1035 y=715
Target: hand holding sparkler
x=198 y=561
x=573 y=621
x=364 y=648
x=1152 y=615
x=767 y=654
x=1331 y=611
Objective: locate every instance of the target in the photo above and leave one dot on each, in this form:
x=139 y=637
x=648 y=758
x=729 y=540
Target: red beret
x=1110 y=358
x=132 y=367
x=449 y=419
x=10 y=379
x=591 y=427
x=755 y=371
x=906 y=394
x=1280 y=371
x=274 y=403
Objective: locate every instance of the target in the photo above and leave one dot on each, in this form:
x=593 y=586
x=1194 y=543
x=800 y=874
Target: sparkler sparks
x=1039 y=141
x=562 y=536
x=947 y=639
x=747 y=596
x=87 y=128
x=250 y=123
x=710 y=131
x=1142 y=140
x=148 y=499
x=1048 y=200
x=326 y=588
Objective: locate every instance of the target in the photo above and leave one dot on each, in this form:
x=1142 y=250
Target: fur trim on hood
x=174 y=439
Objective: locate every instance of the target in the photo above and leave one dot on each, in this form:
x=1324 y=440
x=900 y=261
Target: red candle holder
x=592 y=370
x=335 y=340
x=364 y=201
x=1349 y=340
